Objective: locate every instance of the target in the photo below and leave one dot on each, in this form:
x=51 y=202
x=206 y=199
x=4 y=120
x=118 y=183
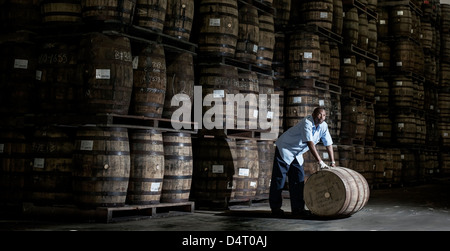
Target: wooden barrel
x=371 y=80
x=402 y=92
x=361 y=77
x=363 y=31
x=300 y=103
x=334 y=115
x=279 y=56
x=382 y=93
x=350 y=31
x=178 y=168
x=383 y=161
x=335 y=63
x=384 y=58
x=19 y=14
x=400 y=20
x=51 y=151
x=383 y=22
x=266 y=153
x=247 y=104
x=444 y=74
x=347 y=155
x=214 y=165
x=245 y=178
x=348 y=72
x=179 y=18
x=109 y=10
x=149 y=82
x=61 y=11
x=219 y=27
x=426 y=37
x=304 y=55
x=150 y=14
x=404 y=128
x=372 y=36
x=354 y=120
x=107 y=69
x=248 y=36
x=369 y=167
x=319 y=13
x=180 y=80
x=264 y=56
x=325 y=60
x=15 y=166
x=338 y=17
x=101 y=167
x=336 y=192
x=280 y=92
x=283 y=12
x=59 y=82
x=18 y=73
x=217 y=81
x=403 y=55
x=430 y=67
x=147 y=167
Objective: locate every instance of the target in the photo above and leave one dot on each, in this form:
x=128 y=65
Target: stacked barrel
x=236 y=42
x=84 y=76
x=406 y=87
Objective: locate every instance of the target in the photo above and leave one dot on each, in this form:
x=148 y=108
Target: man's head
x=319 y=115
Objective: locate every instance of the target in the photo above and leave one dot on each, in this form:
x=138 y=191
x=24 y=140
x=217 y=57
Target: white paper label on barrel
x=255 y=48
x=20 y=64
x=400 y=13
x=154 y=187
x=321 y=102
x=380 y=134
x=308 y=55
x=367 y=41
x=38 y=75
x=2 y=148
x=255 y=113
x=297 y=100
x=382 y=21
x=323 y=14
x=229 y=185
x=421 y=36
x=380 y=64
x=135 y=62
x=399 y=64
x=102 y=74
x=412 y=31
x=219 y=94
x=244 y=172
x=325 y=156
x=39 y=162
x=347 y=60
x=445 y=134
x=217 y=169
x=401 y=125
x=358 y=74
x=252 y=184
x=402 y=156
x=270 y=115
x=431 y=107
x=87 y=145
x=398 y=83
x=377 y=98
x=214 y=22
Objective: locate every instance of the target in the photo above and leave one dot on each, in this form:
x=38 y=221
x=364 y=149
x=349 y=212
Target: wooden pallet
x=108 y=214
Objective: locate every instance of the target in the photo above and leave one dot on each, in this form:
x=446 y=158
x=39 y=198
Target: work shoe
x=277 y=212
x=301 y=214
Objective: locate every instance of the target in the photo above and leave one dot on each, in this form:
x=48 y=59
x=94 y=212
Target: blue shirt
x=292 y=143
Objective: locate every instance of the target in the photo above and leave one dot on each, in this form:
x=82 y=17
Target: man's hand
x=322 y=165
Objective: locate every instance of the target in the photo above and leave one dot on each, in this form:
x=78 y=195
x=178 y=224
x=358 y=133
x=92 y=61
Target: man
x=290 y=147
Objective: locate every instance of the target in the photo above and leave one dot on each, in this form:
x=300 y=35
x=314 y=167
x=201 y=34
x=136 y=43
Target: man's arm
x=313 y=150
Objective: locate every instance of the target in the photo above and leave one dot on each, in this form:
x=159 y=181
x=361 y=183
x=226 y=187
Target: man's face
x=319 y=118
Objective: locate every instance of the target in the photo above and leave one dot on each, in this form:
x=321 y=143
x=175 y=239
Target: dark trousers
x=295 y=174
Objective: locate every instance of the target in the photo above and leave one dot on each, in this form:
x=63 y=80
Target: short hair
x=317 y=110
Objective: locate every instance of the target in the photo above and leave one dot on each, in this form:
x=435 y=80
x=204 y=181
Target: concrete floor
x=423 y=207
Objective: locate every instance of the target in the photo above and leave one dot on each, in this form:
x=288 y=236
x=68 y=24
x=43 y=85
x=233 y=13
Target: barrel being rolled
x=336 y=192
